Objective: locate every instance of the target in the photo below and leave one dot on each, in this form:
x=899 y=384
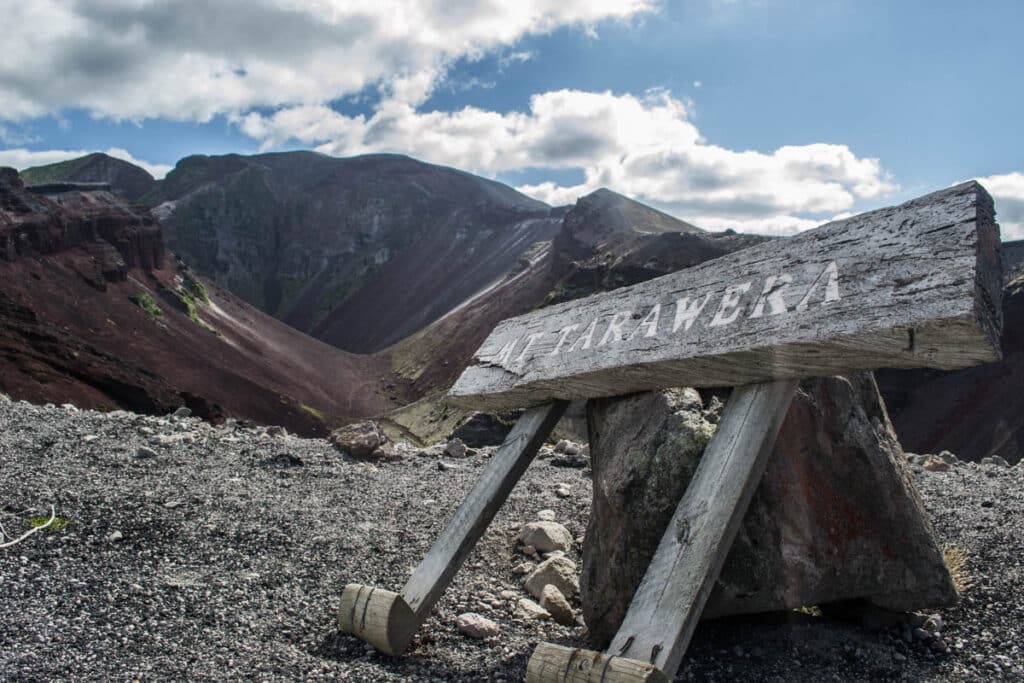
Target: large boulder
x=836 y=516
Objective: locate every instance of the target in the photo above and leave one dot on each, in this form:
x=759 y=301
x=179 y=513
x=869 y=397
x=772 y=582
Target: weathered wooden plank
x=668 y=603
x=475 y=513
x=916 y=285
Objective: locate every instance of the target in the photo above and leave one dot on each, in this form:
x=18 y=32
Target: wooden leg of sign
x=668 y=603
x=388 y=620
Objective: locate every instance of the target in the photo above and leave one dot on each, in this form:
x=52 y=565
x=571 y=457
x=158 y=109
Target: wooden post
x=668 y=603
x=388 y=620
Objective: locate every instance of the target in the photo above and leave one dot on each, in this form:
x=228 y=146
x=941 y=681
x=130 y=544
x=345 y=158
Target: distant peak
x=622 y=214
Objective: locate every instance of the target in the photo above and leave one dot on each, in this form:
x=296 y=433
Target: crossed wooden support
x=388 y=620
x=917 y=285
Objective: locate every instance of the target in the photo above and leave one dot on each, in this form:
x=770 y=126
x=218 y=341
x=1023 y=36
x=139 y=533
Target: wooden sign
x=918 y=285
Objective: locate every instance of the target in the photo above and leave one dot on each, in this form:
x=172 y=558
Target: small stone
x=277 y=430
x=555 y=603
x=899 y=657
x=934 y=623
x=529 y=550
x=529 y=609
x=171 y=504
x=563 y=491
x=559 y=572
x=987 y=503
x=70 y=407
x=566 y=460
x=89 y=438
x=524 y=568
x=362 y=441
x=115 y=536
x=948 y=458
x=546 y=515
x=455 y=448
x=995 y=460
x=145 y=453
x=477 y=626
x=446 y=466
x=546 y=536
x=509 y=595
x=934 y=463
x=182 y=412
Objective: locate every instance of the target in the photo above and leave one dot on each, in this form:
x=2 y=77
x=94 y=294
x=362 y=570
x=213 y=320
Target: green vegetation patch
x=197 y=289
x=318 y=414
x=59 y=523
x=147 y=303
x=189 y=299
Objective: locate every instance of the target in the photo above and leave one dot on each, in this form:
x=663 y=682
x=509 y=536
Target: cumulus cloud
x=643 y=146
x=1008 y=192
x=194 y=59
x=24 y=158
x=272 y=68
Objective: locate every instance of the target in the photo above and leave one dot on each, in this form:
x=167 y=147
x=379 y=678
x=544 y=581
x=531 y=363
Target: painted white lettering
x=830 y=278
x=772 y=295
x=614 y=331
x=587 y=338
x=729 y=309
x=502 y=357
x=529 y=343
x=687 y=312
x=563 y=333
x=650 y=322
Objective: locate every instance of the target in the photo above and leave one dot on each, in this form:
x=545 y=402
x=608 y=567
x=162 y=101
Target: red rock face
x=33 y=224
x=76 y=267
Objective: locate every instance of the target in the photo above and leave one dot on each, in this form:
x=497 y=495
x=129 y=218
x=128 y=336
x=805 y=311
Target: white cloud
x=24 y=158
x=272 y=66
x=645 y=147
x=1008 y=192
x=194 y=59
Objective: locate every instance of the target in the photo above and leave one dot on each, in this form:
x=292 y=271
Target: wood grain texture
x=918 y=285
x=669 y=601
x=556 y=664
x=379 y=617
x=471 y=519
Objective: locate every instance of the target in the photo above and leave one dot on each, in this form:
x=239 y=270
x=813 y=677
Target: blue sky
x=756 y=114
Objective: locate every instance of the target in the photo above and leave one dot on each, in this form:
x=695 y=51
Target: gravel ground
x=220 y=554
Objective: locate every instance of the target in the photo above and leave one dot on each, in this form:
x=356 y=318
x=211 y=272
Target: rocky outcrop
x=609 y=241
x=836 y=516
x=118 y=235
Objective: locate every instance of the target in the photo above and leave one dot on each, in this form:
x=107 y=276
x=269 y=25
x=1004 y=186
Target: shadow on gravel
x=344 y=649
